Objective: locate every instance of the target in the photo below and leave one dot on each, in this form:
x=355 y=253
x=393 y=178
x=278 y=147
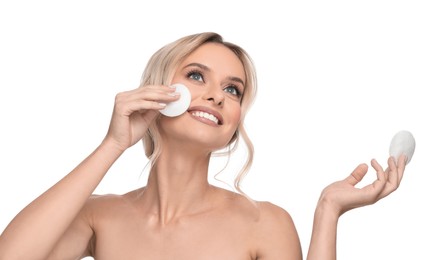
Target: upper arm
x=277 y=235
x=77 y=240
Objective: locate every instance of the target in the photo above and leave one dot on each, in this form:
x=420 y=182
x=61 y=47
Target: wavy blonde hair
x=160 y=70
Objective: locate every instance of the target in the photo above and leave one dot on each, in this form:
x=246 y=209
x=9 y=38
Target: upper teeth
x=206 y=115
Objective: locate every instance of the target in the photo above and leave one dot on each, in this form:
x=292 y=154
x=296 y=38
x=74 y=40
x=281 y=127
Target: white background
x=337 y=79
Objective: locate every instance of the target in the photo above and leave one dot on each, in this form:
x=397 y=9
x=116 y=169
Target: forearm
x=324 y=232
x=39 y=226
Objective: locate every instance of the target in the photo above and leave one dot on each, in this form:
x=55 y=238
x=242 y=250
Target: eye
x=195 y=75
x=233 y=90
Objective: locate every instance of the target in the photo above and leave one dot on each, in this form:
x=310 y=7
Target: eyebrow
x=206 y=68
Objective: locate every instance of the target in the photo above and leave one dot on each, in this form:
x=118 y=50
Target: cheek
x=238 y=115
x=235 y=114
x=195 y=93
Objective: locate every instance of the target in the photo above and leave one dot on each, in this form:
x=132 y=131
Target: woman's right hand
x=134 y=111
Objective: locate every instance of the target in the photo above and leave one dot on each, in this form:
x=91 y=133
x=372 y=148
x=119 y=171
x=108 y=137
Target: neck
x=178 y=186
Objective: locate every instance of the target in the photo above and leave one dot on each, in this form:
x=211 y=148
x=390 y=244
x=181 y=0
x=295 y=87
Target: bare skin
x=232 y=229
x=179 y=215
x=342 y=196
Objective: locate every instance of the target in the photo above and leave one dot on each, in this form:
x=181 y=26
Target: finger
x=381 y=175
x=391 y=182
x=402 y=163
x=126 y=104
x=379 y=184
x=148 y=89
x=125 y=109
x=396 y=171
x=143 y=106
x=357 y=175
x=151 y=95
x=392 y=174
x=156 y=87
x=374 y=190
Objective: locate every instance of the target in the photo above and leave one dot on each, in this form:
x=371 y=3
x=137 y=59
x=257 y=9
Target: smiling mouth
x=207 y=116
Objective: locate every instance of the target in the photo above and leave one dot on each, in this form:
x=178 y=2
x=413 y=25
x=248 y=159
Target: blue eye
x=233 y=90
x=195 y=75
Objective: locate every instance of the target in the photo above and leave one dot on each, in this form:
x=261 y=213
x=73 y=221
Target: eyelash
x=197 y=72
x=193 y=72
x=238 y=94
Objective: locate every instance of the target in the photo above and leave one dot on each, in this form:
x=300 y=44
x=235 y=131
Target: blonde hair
x=161 y=69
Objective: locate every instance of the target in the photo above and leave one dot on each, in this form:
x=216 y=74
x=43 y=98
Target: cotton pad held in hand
x=179 y=106
x=402 y=143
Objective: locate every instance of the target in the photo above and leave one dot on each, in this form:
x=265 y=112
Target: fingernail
x=174 y=94
x=162 y=104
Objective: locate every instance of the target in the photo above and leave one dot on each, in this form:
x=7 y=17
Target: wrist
x=112 y=146
x=325 y=209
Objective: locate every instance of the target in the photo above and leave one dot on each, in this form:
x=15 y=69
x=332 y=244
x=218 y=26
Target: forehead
x=218 y=58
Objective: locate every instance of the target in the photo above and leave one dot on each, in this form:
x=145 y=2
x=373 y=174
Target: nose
x=215 y=95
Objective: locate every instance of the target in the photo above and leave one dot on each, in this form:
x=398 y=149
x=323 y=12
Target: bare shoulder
x=262 y=212
x=273 y=215
x=101 y=201
x=276 y=233
x=79 y=239
x=273 y=232
x=110 y=205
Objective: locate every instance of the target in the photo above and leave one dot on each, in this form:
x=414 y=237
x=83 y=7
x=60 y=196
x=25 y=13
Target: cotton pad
x=179 y=106
x=402 y=143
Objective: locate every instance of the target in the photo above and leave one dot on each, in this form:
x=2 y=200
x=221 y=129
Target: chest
x=205 y=239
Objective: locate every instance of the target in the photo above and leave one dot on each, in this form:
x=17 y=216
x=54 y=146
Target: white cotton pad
x=402 y=143
x=179 y=106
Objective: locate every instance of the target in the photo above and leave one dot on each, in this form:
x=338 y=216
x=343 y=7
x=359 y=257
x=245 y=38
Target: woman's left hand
x=342 y=196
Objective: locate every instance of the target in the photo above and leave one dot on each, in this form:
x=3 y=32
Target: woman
x=179 y=215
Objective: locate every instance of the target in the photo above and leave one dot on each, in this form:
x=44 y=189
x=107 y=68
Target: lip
x=206 y=110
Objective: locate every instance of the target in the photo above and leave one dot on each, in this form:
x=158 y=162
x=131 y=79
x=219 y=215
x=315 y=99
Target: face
x=216 y=79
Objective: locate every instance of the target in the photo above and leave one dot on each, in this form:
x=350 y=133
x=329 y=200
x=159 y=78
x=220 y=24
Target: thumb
x=357 y=175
